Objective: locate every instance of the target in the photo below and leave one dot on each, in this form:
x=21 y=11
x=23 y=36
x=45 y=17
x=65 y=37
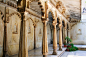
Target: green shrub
x=72 y=48
x=72 y=44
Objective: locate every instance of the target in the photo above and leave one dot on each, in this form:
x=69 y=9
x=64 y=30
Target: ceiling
x=74 y=8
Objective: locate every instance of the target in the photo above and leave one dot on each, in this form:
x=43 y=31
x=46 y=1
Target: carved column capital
x=54 y=24
x=60 y=25
x=44 y=20
x=65 y=28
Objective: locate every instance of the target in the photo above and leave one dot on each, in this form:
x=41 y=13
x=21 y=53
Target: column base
x=44 y=55
x=34 y=47
x=60 y=48
x=54 y=52
x=5 y=54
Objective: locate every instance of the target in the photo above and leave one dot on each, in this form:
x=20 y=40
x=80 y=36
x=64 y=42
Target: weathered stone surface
x=2 y=8
x=78 y=34
x=39 y=34
x=13 y=33
x=30 y=33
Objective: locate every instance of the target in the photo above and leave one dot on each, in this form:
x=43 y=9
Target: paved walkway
x=78 y=53
x=38 y=52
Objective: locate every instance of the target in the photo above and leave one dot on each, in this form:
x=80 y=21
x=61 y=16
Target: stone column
x=5 y=36
x=60 y=37
x=54 y=40
x=65 y=34
x=23 y=50
x=44 y=40
x=34 y=37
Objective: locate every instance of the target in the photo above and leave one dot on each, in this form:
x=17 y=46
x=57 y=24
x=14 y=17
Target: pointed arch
x=18 y=14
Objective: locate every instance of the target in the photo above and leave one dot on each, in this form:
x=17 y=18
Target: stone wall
x=2 y=9
x=13 y=31
x=78 y=33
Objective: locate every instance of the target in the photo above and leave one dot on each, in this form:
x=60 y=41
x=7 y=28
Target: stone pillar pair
x=45 y=43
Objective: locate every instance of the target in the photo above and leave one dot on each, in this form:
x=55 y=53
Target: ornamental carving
x=12 y=15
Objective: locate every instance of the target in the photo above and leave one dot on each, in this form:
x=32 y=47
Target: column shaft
x=5 y=36
x=60 y=38
x=65 y=35
x=5 y=40
x=54 y=41
x=34 y=37
x=23 y=50
x=44 y=42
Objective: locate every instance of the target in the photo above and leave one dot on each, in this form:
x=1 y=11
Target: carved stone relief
x=15 y=29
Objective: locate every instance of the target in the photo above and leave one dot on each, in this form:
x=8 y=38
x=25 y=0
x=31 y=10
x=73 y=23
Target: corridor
x=38 y=52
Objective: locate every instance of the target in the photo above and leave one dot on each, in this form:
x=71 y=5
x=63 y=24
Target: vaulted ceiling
x=74 y=8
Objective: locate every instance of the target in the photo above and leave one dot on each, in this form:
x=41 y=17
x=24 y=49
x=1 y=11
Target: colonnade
x=23 y=51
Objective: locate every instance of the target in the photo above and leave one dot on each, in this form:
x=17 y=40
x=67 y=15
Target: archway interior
x=50 y=17
x=50 y=30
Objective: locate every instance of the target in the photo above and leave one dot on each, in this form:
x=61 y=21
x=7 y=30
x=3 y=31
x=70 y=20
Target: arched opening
x=58 y=22
x=50 y=28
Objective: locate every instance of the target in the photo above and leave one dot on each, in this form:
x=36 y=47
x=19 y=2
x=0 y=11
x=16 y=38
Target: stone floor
x=38 y=53
x=78 y=53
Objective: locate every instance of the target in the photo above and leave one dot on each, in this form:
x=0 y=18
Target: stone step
x=81 y=47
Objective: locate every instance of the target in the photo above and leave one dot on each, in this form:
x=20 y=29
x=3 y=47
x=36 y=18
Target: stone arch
x=59 y=20
x=42 y=8
x=18 y=14
x=30 y=32
x=50 y=16
x=51 y=13
x=13 y=28
x=63 y=23
x=31 y=20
